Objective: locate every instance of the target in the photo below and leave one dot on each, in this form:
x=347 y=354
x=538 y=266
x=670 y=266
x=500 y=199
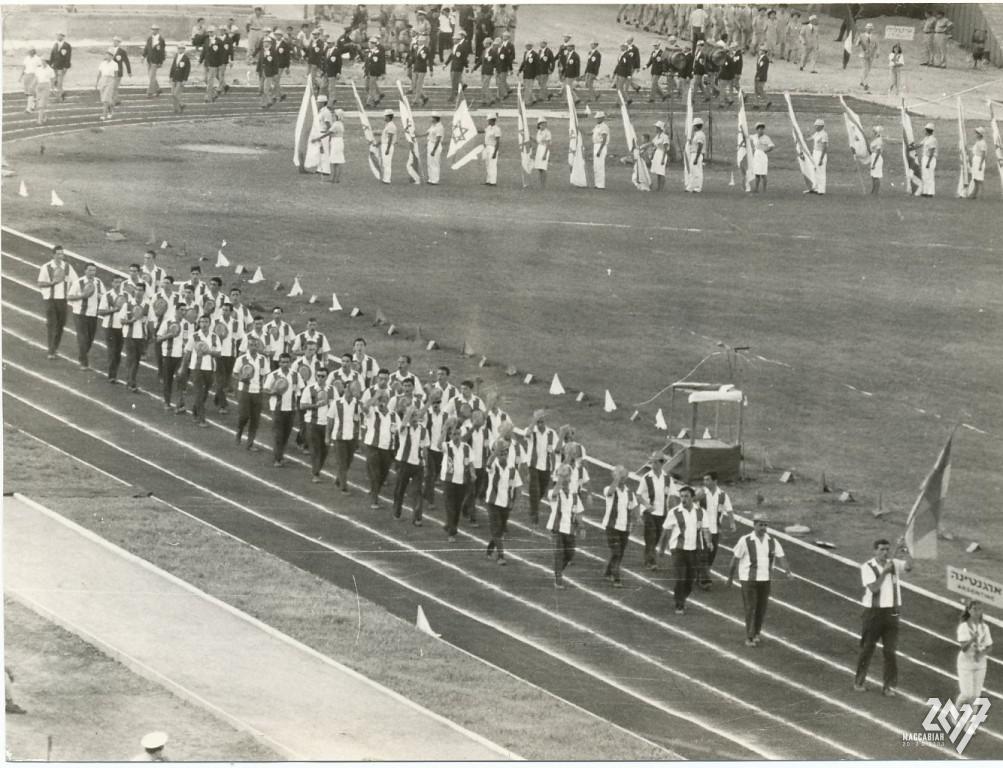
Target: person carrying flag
x=697 y=152
x=492 y=145
x=762 y=145
x=388 y=142
x=876 y=161
x=433 y=151
x=820 y=156
x=541 y=157
x=600 y=147
x=979 y=154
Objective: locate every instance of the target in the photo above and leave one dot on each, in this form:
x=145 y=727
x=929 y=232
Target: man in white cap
x=876 y=161
x=153 y=748
x=696 y=148
x=492 y=145
x=752 y=560
x=928 y=161
x=600 y=146
x=820 y=156
x=457 y=62
x=621 y=506
x=388 y=142
x=868 y=44
x=660 y=159
x=433 y=148
x=541 y=155
x=154 y=54
x=809 y=44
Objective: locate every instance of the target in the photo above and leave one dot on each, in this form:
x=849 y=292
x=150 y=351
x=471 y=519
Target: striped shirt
x=435 y=420
x=541 y=446
x=302 y=339
x=503 y=483
x=455 y=462
x=86 y=305
x=563 y=506
x=314 y=395
x=202 y=361
x=47 y=274
x=411 y=443
x=619 y=503
x=132 y=329
x=260 y=365
x=684 y=524
x=344 y=414
x=287 y=400
x=755 y=556
x=173 y=346
x=380 y=429
x=890 y=594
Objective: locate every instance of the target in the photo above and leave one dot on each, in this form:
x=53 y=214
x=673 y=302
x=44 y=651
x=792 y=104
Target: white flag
x=462 y=130
x=965 y=170
x=641 y=177
x=258 y=277
x=997 y=141
x=56 y=201
x=335 y=304
x=297 y=289
x=407 y=118
x=576 y=152
x=743 y=149
x=469 y=157
x=525 y=145
x=689 y=136
x=855 y=133
x=221 y=260
x=805 y=161
x=660 y=420
x=306 y=150
x=375 y=156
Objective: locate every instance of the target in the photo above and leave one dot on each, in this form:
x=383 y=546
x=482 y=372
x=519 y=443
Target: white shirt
x=88 y=307
x=314 y=394
x=563 y=506
x=397 y=377
x=57 y=291
x=475 y=403
x=201 y=361
x=540 y=447
x=435 y=422
x=173 y=346
x=412 y=439
x=455 y=460
x=980 y=634
x=751 y=547
x=717 y=503
x=288 y=399
x=32 y=64
x=654 y=491
x=502 y=484
x=697 y=17
x=44 y=75
x=108 y=69
x=692 y=519
x=890 y=595
x=599 y=132
x=492 y=135
x=299 y=344
x=618 y=506
x=819 y=140
x=260 y=364
x=380 y=428
x=345 y=414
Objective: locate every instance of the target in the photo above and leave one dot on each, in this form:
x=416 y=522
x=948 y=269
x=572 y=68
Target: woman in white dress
x=541 y=158
x=388 y=143
x=433 y=149
x=660 y=160
x=107 y=70
x=324 y=121
x=974 y=643
x=337 y=145
x=877 y=159
x=762 y=145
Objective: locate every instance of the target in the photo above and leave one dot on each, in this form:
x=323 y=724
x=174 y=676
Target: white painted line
x=974 y=429
x=681 y=714
x=68 y=455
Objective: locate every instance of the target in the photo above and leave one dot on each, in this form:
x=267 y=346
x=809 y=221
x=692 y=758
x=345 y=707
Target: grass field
x=361 y=634
x=93 y=708
x=893 y=296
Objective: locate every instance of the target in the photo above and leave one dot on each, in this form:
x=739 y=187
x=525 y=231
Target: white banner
x=899 y=33
x=984 y=590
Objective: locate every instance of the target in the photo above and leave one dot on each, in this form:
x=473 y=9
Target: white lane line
x=547 y=611
x=974 y=429
x=823 y=587
x=145 y=670
x=69 y=455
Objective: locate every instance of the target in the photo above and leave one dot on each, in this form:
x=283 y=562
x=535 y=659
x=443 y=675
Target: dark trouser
x=685 y=564
x=432 y=470
x=344 y=452
x=170 y=367
x=653 y=525
x=87 y=327
x=248 y=415
x=755 y=598
x=379 y=461
x=455 y=81
x=181 y=384
x=445 y=45
x=405 y=474
x=282 y=427
x=564 y=552
x=224 y=370
x=707 y=559
x=55 y=321
x=879 y=624
x=539 y=481
x=475 y=491
x=455 y=494
x=202 y=383
x=498 y=520
x=316 y=437
x=133 y=355
x=113 y=340
x=157 y=356
x=617 y=541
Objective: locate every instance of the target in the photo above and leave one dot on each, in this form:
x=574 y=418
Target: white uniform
x=388 y=144
x=600 y=138
x=542 y=157
x=338 y=143
x=325 y=118
x=979 y=151
x=820 y=145
x=434 y=162
x=877 y=157
x=492 y=135
x=660 y=160
x=972 y=673
x=928 y=164
x=698 y=143
x=760 y=160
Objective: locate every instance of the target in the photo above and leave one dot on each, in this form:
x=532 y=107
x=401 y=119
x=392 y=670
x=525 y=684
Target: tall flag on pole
x=924 y=518
x=743 y=149
x=965 y=170
x=855 y=133
x=375 y=156
x=576 y=152
x=407 y=117
x=851 y=34
x=910 y=155
x=997 y=141
x=306 y=151
x=525 y=147
x=689 y=136
x=463 y=128
x=805 y=161
x=641 y=177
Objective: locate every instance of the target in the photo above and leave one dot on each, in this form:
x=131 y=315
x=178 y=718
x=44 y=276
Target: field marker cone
x=164 y=245
x=258 y=277
x=392 y=330
x=221 y=260
x=22 y=191
x=313 y=298
x=660 y=420
x=556 y=388
x=335 y=304
x=468 y=351
x=356 y=312
x=239 y=270
x=972 y=548
x=421 y=622
x=787 y=477
x=528 y=379
x=580 y=397
x=511 y=371
x=706 y=434
x=56 y=201
x=731 y=181
x=608 y=405
x=431 y=345
x=846 y=497
x=683 y=433
x=483 y=361
x=296 y=290
x=635 y=416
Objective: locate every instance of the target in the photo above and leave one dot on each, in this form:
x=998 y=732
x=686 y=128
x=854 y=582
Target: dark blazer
x=181 y=66
x=155 y=53
x=60 y=56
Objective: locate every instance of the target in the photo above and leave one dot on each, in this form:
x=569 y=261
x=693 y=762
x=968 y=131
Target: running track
x=686 y=683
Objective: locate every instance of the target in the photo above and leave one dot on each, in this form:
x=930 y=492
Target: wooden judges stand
x=692 y=455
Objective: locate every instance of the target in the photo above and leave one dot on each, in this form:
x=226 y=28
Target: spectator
x=698 y=18
x=868 y=45
x=979 y=53
x=29 y=68
x=942 y=27
x=445 y=39
x=895 y=63
x=809 y=44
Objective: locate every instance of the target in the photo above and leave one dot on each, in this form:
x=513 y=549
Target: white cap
x=599 y=115
x=388 y=113
x=660 y=124
x=154 y=740
x=820 y=123
x=928 y=127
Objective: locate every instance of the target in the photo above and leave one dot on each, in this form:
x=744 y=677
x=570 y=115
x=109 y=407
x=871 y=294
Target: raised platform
x=691 y=460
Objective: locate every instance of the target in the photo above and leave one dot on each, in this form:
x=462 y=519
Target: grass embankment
x=383 y=647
